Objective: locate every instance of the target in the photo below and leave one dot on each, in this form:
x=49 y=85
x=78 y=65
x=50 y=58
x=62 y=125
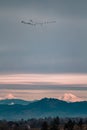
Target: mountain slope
x=43 y=108
x=14 y=101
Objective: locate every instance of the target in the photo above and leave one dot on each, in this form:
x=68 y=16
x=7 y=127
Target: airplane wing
x=49 y=22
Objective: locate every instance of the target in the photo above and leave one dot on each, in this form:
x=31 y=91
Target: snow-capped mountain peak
x=70 y=98
x=10 y=96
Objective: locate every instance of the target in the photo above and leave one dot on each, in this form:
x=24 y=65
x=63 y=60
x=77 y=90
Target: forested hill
x=46 y=107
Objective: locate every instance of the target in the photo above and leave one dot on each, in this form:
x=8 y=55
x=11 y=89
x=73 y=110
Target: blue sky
x=55 y=48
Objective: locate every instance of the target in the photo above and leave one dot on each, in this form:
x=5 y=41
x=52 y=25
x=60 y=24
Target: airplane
x=31 y=22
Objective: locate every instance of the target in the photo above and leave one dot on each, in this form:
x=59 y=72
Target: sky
x=32 y=58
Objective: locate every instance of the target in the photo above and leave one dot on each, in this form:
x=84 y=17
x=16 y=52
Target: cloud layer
x=53 y=48
x=44 y=79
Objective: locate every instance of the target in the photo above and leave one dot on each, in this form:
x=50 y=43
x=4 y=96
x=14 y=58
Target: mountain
x=68 y=97
x=14 y=101
x=43 y=108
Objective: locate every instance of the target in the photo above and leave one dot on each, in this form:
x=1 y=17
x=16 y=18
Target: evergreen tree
x=80 y=124
x=69 y=125
x=55 y=124
x=44 y=126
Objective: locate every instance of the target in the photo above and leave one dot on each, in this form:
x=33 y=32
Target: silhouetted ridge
x=46 y=107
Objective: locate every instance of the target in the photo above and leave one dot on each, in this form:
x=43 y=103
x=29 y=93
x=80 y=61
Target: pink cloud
x=54 y=79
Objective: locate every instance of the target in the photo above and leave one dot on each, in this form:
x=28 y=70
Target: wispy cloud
x=41 y=79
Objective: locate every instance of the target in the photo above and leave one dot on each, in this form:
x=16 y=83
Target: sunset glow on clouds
x=48 y=79
x=43 y=61
x=38 y=94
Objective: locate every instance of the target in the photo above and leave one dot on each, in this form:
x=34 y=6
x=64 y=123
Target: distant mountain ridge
x=11 y=99
x=43 y=108
x=14 y=101
x=69 y=97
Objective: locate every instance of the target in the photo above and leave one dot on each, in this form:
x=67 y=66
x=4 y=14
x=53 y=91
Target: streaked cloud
x=44 y=79
x=56 y=54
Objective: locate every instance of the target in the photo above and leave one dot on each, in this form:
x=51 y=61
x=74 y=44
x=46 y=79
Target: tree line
x=45 y=124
